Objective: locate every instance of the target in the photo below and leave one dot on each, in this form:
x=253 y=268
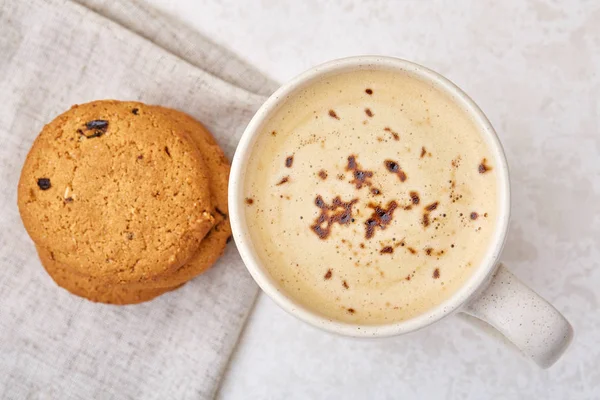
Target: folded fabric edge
x=184 y=42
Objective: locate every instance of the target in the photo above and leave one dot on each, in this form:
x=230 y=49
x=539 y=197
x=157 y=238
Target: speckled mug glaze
x=492 y=293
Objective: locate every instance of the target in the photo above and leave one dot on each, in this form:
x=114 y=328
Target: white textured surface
x=533 y=66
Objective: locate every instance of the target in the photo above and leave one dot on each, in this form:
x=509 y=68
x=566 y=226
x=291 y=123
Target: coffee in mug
x=370 y=196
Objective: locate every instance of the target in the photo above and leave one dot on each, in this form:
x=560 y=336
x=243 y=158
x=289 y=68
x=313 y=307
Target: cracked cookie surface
x=213 y=245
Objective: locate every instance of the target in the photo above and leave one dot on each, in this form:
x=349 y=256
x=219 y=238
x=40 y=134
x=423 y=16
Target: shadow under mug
x=492 y=293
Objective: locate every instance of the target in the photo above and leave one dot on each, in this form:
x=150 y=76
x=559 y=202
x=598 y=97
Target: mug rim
x=479 y=277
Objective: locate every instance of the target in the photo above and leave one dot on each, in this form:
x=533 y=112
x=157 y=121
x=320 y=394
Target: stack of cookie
x=125 y=201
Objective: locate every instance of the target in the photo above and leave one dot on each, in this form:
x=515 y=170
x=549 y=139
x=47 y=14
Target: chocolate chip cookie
x=118 y=191
x=88 y=288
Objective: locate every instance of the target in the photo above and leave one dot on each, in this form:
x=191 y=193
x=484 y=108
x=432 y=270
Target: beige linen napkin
x=53 y=345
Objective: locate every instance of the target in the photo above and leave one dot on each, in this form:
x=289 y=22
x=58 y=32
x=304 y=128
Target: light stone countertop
x=534 y=68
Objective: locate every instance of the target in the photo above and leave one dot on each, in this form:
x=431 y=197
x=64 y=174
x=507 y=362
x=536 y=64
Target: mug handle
x=523 y=317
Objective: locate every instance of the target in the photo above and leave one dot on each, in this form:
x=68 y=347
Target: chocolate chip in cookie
x=44 y=183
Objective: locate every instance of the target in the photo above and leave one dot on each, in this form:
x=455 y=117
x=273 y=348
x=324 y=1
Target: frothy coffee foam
x=370 y=197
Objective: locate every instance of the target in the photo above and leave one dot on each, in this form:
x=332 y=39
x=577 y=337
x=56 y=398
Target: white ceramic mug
x=492 y=293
